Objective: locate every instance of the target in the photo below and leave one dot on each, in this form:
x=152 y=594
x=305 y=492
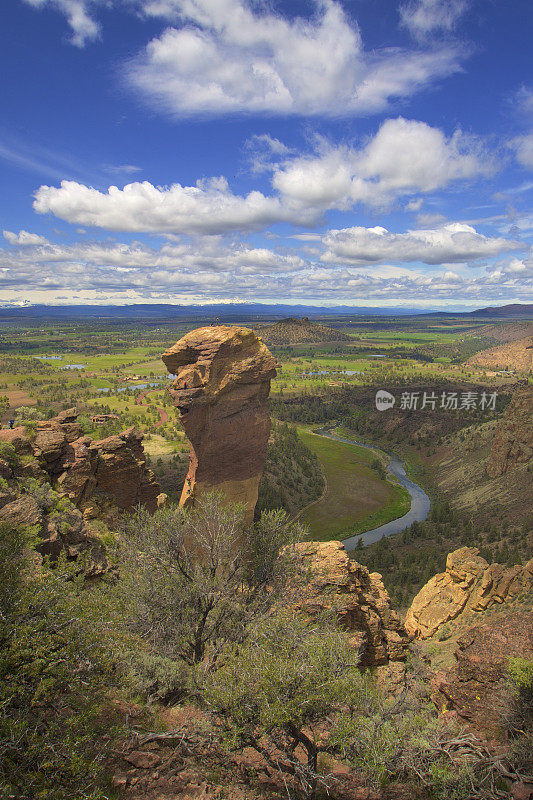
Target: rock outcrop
x=477 y=688
x=331 y=581
x=89 y=472
x=97 y=477
x=468 y=584
x=513 y=441
x=221 y=390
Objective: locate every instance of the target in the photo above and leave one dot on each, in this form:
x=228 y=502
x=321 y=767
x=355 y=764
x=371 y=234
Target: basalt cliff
x=221 y=390
x=513 y=441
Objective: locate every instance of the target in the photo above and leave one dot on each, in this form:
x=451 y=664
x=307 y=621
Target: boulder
x=23 y=512
x=221 y=390
x=329 y=581
x=17 y=438
x=468 y=583
x=477 y=688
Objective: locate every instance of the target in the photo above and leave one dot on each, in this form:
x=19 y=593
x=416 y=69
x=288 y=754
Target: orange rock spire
x=221 y=390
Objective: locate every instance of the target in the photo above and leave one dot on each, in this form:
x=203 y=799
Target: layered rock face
x=87 y=471
x=96 y=476
x=513 y=441
x=331 y=581
x=221 y=390
x=477 y=688
x=469 y=583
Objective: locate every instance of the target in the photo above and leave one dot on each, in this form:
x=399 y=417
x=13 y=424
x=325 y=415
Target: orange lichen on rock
x=468 y=584
x=221 y=390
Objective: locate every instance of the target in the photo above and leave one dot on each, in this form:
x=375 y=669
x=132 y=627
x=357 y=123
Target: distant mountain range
x=240 y=312
x=513 y=311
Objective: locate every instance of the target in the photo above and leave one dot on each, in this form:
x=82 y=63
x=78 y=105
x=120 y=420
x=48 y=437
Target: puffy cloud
x=523 y=147
x=229 y=58
x=211 y=269
x=84 y=27
x=514 y=268
x=24 y=238
x=405 y=156
x=424 y=17
x=208 y=207
x=453 y=243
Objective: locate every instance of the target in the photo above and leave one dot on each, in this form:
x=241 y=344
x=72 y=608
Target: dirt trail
x=163 y=416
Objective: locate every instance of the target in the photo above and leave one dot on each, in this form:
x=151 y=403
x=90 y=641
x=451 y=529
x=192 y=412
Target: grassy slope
x=356 y=499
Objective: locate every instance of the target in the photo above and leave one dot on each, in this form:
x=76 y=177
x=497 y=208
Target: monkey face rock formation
x=221 y=389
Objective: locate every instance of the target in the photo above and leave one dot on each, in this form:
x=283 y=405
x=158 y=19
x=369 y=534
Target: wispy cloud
x=424 y=18
x=231 y=57
x=78 y=13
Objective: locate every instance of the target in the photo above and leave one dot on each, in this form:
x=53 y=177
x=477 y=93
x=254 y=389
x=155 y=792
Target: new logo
x=384 y=400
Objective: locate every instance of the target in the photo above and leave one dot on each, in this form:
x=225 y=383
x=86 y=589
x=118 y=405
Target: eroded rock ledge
x=331 y=581
x=221 y=390
x=468 y=584
x=97 y=477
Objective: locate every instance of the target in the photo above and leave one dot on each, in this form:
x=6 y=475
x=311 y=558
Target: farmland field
x=115 y=369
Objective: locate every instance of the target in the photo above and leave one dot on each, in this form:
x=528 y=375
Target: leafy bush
x=189 y=583
x=51 y=675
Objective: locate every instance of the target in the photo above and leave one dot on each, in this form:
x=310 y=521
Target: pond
x=131 y=387
x=74 y=366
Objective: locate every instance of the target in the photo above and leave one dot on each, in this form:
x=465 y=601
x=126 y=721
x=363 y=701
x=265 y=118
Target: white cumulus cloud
x=405 y=156
x=229 y=56
x=453 y=243
x=207 y=207
x=24 y=238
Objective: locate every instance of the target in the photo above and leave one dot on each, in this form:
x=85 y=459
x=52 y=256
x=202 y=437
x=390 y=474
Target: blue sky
x=350 y=152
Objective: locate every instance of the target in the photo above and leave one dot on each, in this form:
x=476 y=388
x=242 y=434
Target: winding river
x=420 y=502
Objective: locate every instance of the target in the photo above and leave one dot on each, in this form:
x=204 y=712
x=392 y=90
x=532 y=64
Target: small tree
x=190 y=581
x=275 y=693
